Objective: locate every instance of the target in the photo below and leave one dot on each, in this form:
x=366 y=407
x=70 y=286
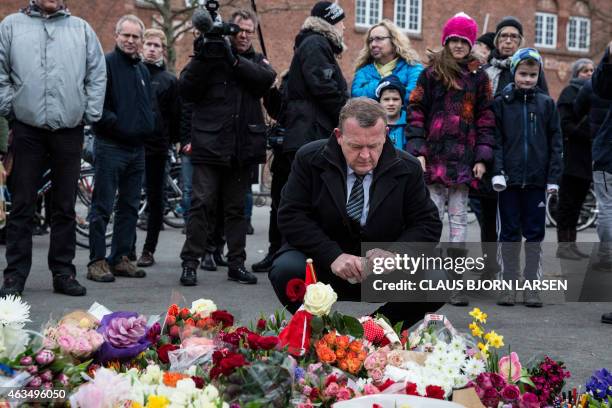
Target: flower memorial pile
x=199 y=357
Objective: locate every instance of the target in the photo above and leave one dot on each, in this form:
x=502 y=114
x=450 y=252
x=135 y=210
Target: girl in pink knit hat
x=451 y=125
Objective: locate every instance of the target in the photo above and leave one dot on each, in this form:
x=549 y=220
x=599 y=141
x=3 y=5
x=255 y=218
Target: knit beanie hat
x=522 y=55
x=488 y=40
x=461 y=26
x=328 y=11
x=579 y=64
x=509 y=21
x=390 y=82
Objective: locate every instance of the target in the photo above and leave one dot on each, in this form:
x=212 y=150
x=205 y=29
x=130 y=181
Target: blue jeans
x=118 y=173
x=602 y=181
x=186 y=178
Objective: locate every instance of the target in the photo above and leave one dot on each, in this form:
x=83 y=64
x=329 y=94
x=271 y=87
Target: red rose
x=231 y=362
x=219 y=355
x=223 y=317
x=261 y=324
x=174 y=331
x=433 y=391
x=231 y=338
x=314 y=394
x=295 y=290
x=162 y=352
x=215 y=372
x=173 y=310
x=170 y=320
x=242 y=330
x=268 y=342
x=189 y=322
x=199 y=381
x=185 y=313
x=331 y=379
x=411 y=389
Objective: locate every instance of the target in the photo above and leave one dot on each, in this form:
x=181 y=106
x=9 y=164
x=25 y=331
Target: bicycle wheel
x=82 y=209
x=588 y=212
x=552 y=203
x=172 y=201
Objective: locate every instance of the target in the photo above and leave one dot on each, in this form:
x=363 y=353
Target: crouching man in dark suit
x=352 y=188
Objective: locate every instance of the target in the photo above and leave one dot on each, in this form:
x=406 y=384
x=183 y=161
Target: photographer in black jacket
x=228 y=136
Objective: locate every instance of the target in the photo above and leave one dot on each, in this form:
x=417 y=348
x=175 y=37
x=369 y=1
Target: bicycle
x=588 y=212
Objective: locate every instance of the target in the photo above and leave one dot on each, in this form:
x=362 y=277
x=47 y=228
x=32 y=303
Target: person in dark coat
x=228 y=136
x=315 y=92
x=167 y=109
x=339 y=196
x=602 y=167
x=577 y=173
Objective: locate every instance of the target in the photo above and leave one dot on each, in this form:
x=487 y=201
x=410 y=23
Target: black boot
x=11 y=287
x=564 y=248
x=68 y=285
x=241 y=275
x=577 y=251
x=208 y=263
x=189 y=276
x=265 y=264
x=219 y=258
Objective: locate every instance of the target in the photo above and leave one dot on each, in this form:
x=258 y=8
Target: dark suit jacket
x=312 y=213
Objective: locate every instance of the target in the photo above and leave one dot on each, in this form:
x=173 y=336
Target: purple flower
x=498 y=381
x=63 y=379
x=153 y=333
x=45 y=357
x=125 y=335
x=35 y=382
x=510 y=393
x=26 y=361
x=46 y=376
x=529 y=400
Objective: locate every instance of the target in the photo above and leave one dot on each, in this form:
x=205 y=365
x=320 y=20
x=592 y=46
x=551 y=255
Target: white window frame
x=368 y=8
x=577 y=38
x=404 y=27
x=545 y=18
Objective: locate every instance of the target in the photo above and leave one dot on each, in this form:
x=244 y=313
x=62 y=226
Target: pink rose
x=510 y=393
x=66 y=343
x=306 y=390
x=95 y=339
x=510 y=367
x=343 y=394
x=395 y=358
x=484 y=381
x=82 y=347
x=498 y=381
x=529 y=400
x=370 y=389
x=491 y=398
x=332 y=389
x=370 y=362
x=376 y=374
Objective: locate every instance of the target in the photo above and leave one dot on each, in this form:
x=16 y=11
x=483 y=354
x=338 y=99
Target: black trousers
x=155 y=180
x=281 y=167
x=572 y=192
x=488 y=233
x=216 y=240
x=292 y=264
x=210 y=183
x=34 y=149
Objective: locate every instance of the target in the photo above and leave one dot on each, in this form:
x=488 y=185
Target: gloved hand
x=229 y=54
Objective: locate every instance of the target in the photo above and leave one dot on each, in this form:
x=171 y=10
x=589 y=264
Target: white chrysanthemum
x=436 y=360
x=473 y=367
x=457 y=344
x=455 y=359
x=13 y=311
x=460 y=381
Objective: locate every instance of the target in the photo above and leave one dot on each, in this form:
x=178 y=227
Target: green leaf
x=317 y=325
x=398 y=328
x=526 y=379
x=353 y=327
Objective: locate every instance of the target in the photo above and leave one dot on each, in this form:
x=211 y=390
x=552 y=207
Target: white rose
x=319 y=298
x=203 y=306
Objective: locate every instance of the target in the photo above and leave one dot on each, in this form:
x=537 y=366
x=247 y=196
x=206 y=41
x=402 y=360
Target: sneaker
x=189 y=277
x=265 y=264
x=99 y=271
x=219 y=258
x=565 y=251
x=11 y=287
x=146 y=259
x=208 y=262
x=458 y=298
x=127 y=269
x=68 y=285
x=606 y=318
x=532 y=298
x=241 y=275
x=507 y=298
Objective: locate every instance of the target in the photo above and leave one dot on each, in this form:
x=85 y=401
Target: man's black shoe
x=265 y=264
x=607 y=318
x=241 y=275
x=189 y=276
x=11 y=287
x=219 y=258
x=68 y=285
x=208 y=263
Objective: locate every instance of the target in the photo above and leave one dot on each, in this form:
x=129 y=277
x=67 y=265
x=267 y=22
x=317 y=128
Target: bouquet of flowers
x=548 y=377
x=599 y=389
x=14 y=314
x=493 y=389
x=321 y=384
x=347 y=354
x=76 y=339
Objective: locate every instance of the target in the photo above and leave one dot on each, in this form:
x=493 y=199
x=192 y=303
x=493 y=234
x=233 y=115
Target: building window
x=578 y=34
x=546 y=30
x=408 y=15
x=368 y=12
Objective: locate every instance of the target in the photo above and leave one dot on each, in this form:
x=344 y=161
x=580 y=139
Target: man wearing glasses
x=227 y=139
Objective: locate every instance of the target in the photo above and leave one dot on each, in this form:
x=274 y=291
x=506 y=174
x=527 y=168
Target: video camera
x=212 y=30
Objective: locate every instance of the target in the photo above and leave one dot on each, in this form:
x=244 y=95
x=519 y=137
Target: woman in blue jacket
x=386 y=51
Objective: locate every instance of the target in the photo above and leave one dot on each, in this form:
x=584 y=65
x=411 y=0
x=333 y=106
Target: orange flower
x=356 y=346
x=330 y=338
x=342 y=342
x=320 y=344
x=362 y=355
x=326 y=355
x=340 y=354
x=173 y=310
x=190 y=322
x=171 y=378
x=352 y=355
x=354 y=365
x=343 y=365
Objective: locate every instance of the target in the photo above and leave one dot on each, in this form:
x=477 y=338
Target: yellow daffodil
x=479 y=315
x=494 y=339
x=157 y=401
x=476 y=330
x=484 y=348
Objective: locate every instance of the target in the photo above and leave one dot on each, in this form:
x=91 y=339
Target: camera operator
x=315 y=92
x=228 y=136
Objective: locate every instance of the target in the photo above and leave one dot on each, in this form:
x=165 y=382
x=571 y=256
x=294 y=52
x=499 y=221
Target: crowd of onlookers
x=475 y=112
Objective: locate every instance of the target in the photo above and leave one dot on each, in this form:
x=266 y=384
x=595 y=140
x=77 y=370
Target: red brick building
x=563 y=30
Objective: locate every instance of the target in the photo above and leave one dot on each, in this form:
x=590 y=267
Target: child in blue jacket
x=390 y=92
x=528 y=164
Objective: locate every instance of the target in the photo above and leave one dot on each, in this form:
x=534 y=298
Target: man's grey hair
x=133 y=19
x=244 y=14
x=367 y=112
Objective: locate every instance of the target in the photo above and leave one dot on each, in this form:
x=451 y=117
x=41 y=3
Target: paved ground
x=571 y=332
